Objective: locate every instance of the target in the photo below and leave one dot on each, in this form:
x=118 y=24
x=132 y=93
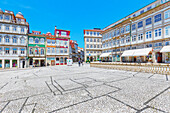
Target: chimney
x=55 y=27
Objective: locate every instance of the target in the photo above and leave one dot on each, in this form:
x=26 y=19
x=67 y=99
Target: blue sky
x=73 y=15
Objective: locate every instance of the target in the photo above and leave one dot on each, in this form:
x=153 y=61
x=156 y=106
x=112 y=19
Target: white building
x=13 y=40
x=128 y=39
x=92 y=44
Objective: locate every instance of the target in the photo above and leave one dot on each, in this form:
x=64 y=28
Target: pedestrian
x=82 y=62
x=79 y=63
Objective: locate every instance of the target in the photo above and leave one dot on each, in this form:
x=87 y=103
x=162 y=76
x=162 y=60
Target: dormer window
x=19 y=20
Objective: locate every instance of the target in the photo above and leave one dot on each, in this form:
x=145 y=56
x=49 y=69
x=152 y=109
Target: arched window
x=22 y=40
x=31 y=40
x=15 y=40
x=36 y=40
x=42 y=40
x=31 y=51
x=7 y=39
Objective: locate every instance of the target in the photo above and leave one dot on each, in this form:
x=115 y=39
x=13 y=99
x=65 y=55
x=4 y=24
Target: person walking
x=82 y=62
x=79 y=63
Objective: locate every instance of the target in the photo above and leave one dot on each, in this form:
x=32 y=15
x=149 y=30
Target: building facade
x=93 y=44
x=139 y=37
x=36 y=50
x=80 y=53
x=74 y=50
x=57 y=47
x=13 y=40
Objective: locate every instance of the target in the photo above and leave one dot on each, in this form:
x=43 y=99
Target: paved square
x=73 y=89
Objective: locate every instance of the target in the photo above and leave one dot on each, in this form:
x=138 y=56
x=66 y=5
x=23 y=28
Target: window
x=140 y=37
x=6 y=50
x=57 y=42
x=0 y=50
x=167 y=14
x=7 y=28
x=157 y=18
x=167 y=43
x=118 y=42
x=53 y=50
x=158 y=32
x=48 y=50
x=94 y=40
x=87 y=45
x=87 y=51
x=22 y=51
x=133 y=38
x=1 y=17
x=91 y=46
x=6 y=17
x=22 y=30
x=148 y=21
x=134 y=15
x=98 y=33
x=122 y=30
x=127 y=28
x=14 y=28
x=98 y=46
x=87 y=40
x=57 y=50
x=140 y=24
x=122 y=41
x=148 y=34
x=14 y=51
x=127 y=39
x=149 y=7
x=36 y=51
x=133 y=26
x=61 y=50
x=117 y=32
x=0 y=39
x=94 y=33
x=141 y=11
x=98 y=40
x=65 y=43
x=22 y=41
x=42 y=40
x=53 y=42
x=65 y=50
x=87 y=33
x=31 y=51
x=91 y=40
x=7 y=39
x=91 y=33
x=167 y=30
x=36 y=40
x=30 y=40
x=15 y=40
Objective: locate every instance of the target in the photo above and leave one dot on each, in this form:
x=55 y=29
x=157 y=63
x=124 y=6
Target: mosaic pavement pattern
x=73 y=89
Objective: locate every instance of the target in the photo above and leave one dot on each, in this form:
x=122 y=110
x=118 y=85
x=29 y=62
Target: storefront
x=14 y=63
x=7 y=63
x=137 y=55
x=106 y=57
x=51 y=61
x=166 y=52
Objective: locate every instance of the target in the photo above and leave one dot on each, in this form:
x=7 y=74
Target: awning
x=137 y=52
x=105 y=54
x=128 y=53
x=142 y=52
x=165 y=49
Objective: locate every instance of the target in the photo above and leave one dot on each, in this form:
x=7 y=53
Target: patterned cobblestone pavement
x=73 y=89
